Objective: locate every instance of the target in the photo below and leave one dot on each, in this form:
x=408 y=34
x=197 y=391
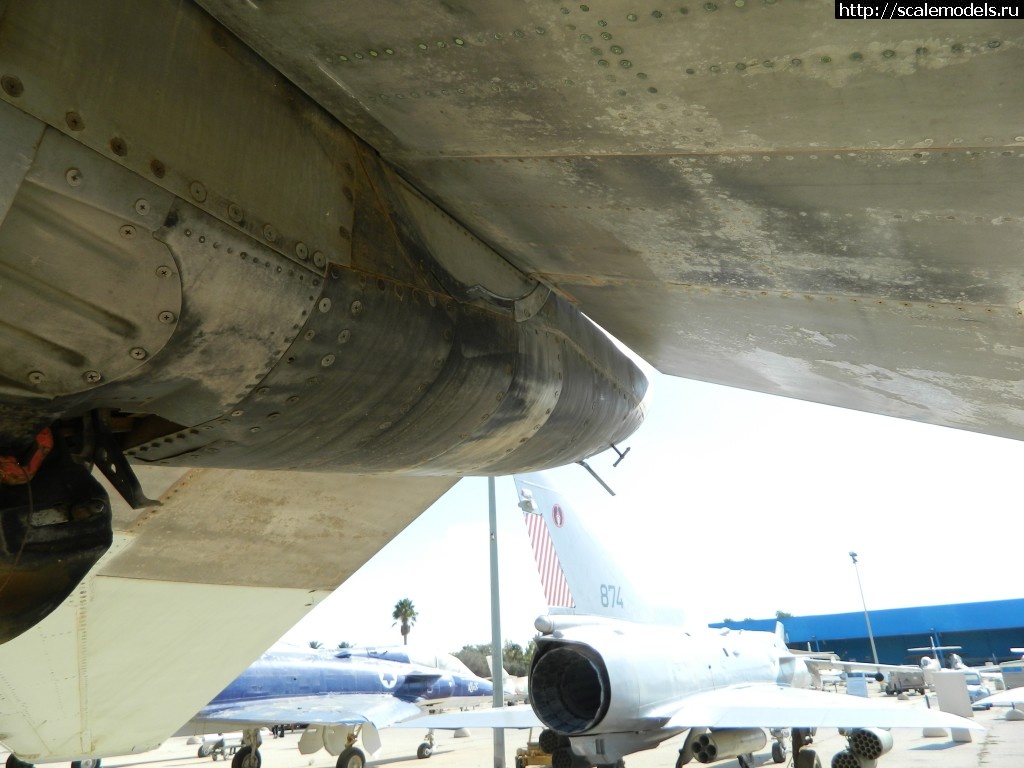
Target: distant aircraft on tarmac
x=606 y=683
x=341 y=697
x=515 y=688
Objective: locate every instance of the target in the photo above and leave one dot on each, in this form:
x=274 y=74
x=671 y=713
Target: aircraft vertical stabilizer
x=579 y=573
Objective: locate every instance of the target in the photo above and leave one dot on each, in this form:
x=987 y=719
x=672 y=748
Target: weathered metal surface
x=400 y=346
x=173 y=97
x=199 y=258
x=67 y=329
x=750 y=193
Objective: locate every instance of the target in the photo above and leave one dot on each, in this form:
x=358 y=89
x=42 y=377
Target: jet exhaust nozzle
x=569 y=688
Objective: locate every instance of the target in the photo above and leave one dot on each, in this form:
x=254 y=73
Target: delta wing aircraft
x=262 y=260
x=606 y=682
x=343 y=698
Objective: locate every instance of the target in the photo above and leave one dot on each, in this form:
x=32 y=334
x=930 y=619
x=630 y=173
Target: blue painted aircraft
x=340 y=697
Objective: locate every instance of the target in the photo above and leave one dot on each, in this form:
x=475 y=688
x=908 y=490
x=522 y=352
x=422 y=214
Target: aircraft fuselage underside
x=201 y=268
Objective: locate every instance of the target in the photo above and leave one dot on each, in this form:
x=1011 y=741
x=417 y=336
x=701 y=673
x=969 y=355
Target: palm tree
x=405 y=612
x=315 y=644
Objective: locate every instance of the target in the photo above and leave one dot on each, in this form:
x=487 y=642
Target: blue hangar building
x=985 y=631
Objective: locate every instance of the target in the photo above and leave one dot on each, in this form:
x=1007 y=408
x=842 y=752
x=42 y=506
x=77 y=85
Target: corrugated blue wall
x=986 y=631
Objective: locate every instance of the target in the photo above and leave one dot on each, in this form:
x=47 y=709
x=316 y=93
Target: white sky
x=733 y=505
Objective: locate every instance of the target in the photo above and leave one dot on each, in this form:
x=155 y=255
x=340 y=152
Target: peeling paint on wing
x=917 y=389
x=816 y=337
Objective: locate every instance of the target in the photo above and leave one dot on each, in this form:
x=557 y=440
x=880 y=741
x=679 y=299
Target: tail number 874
x=611 y=596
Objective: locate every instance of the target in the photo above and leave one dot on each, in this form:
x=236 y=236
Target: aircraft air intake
x=569 y=688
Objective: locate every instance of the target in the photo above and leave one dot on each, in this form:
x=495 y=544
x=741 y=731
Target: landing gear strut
x=351 y=756
x=249 y=755
x=779 y=746
x=426 y=749
x=804 y=757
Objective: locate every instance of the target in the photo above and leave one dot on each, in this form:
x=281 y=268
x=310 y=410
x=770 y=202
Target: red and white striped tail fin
x=578 y=571
x=552 y=577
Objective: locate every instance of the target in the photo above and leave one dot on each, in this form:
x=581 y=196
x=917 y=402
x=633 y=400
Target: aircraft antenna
x=622 y=454
x=594 y=474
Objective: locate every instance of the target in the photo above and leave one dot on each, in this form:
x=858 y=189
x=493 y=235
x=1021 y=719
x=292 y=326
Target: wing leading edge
x=740 y=706
x=777 y=706
x=382 y=710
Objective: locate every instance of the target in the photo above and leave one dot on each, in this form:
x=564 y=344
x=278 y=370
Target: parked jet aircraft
x=605 y=684
x=301 y=237
x=343 y=697
x=515 y=688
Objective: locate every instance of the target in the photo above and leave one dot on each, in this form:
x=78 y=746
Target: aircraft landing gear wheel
x=246 y=758
x=91 y=762
x=13 y=762
x=204 y=750
x=778 y=752
x=807 y=758
x=424 y=751
x=353 y=757
x=746 y=761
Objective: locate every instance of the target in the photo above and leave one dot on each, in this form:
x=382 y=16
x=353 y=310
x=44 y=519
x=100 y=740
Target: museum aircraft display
x=606 y=682
x=342 y=698
x=291 y=269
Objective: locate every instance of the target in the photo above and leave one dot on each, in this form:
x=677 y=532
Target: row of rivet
x=74 y=178
x=371 y=54
x=783 y=64
x=13 y=87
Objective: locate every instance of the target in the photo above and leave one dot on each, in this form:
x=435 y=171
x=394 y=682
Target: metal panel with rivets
x=201 y=267
x=748 y=192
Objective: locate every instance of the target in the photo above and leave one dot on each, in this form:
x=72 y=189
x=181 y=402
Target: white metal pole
x=498 y=696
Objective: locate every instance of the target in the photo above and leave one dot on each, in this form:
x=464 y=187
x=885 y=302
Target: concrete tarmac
x=1000 y=746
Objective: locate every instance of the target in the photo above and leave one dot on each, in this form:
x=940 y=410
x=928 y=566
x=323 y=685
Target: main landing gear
x=426 y=749
x=803 y=757
x=779 y=751
x=248 y=756
x=351 y=756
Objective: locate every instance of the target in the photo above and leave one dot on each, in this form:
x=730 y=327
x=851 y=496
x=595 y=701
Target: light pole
x=867 y=619
x=498 y=694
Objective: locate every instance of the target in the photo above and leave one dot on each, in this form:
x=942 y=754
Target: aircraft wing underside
x=189 y=594
x=752 y=194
